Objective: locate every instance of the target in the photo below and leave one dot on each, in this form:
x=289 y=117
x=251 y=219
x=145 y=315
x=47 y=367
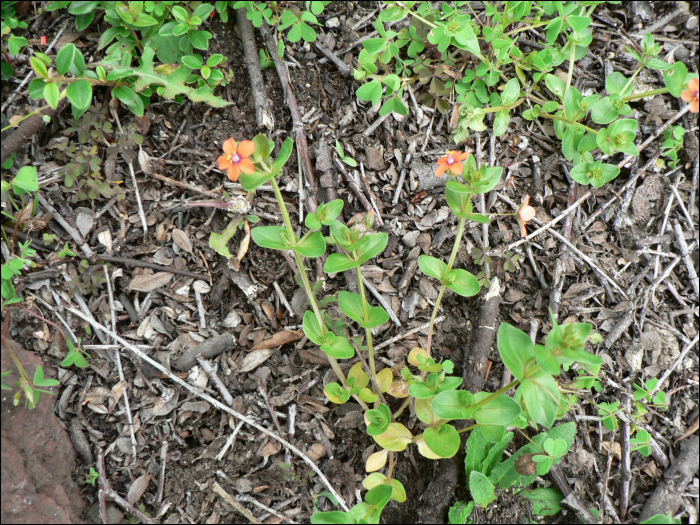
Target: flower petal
x=233 y=172
x=246 y=148
x=442 y=160
x=224 y=162
x=527 y=213
x=688 y=95
x=246 y=166
x=694 y=105
x=523 y=231
x=462 y=156
x=456 y=168
x=694 y=84
x=441 y=170
x=230 y=147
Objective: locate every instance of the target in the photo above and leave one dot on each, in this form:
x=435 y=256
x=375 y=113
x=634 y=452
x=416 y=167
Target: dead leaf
x=616 y=449
x=138 y=487
x=148 y=283
x=166 y=402
x=270 y=449
x=145 y=161
x=105 y=239
x=255 y=359
x=351 y=420
x=84 y=219
x=182 y=240
x=243 y=248
x=279 y=339
x=201 y=286
x=316 y=452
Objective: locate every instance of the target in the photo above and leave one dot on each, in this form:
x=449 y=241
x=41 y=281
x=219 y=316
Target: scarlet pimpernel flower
x=526 y=213
x=691 y=95
x=236 y=158
x=452 y=161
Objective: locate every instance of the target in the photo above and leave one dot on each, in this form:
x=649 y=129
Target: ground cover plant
x=414 y=274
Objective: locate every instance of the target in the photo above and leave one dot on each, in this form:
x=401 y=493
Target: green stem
x=572 y=59
x=414 y=15
x=471 y=427
x=651 y=93
x=629 y=82
x=557 y=117
x=368 y=331
x=307 y=283
x=17 y=122
x=505 y=108
x=453 y=256
x=527 y=28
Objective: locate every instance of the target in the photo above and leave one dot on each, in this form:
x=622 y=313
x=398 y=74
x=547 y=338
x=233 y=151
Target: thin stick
x=353 y=186
x=214 y=402
x=75 y=235
x=146 y=264
x=625 y=473
x=230 y=441
x=499 y=251
x=675 y=364
x=272 y=511
x=161 y=479
x=378 y=216
x=343 y=68
x=229 y=499
x=408 y=333
x=214 y=378
x=186 y=186
x=142 y=215
x=690 y=266
x=382 y=301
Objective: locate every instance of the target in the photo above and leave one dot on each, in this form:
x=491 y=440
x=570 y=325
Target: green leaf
x=555 y=85
x=39 y=379
x=351 y=305
x=252 y=181
x=579 y=23
x=69 y=58
x=80 y=96
x=500 y=123
x=462 y=282
x=377 y=317
x=540 y=393
x=26 y=179
x=546 y=360
x=379 y=419
x=459 y=512
x=311 y=328
x=477 y=449
x=674 y=77
x=443 y=440
x=481 y=488
x=172 y=81
x=337 y=346
x=51 y=94
x=39 y=67
x=432 y=267
x=219 y=241
x=493 y=433
x=338 y=262
x=511 y=92
x=501 y=410
x=495 y=453
x=545 y=501
x=452 y=404
x=371 y=91
x=396 y=438
x=515 y=348
x=370 y=246
x=313 y=246
x=334 y=516
x=604 y=111
x=283 y=155
x=273 y=237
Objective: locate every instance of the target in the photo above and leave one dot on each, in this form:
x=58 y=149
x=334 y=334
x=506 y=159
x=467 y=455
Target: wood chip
x=279 y=339
x=255 y=359
x=182 y=240
x=148 y=283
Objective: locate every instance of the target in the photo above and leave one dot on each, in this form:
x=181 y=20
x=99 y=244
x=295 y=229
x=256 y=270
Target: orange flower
x=526 y=213
x=452 y=161
x=236 y=159
x=691 y=95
